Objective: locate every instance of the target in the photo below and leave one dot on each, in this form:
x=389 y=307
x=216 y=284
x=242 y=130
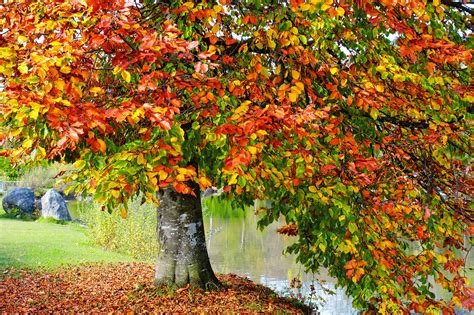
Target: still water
x=236 y=245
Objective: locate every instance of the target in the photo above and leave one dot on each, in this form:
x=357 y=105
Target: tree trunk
x=182 y=257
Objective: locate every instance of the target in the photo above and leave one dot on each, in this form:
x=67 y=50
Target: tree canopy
x=354 y=117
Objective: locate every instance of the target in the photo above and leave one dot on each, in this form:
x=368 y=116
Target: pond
x=236 y=245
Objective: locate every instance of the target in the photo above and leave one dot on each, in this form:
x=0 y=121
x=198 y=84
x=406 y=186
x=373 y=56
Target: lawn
x=46 y=246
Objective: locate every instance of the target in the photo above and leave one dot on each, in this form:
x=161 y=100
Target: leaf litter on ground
x=127 y=287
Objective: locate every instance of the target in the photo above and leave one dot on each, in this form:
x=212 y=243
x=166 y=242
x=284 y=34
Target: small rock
x=53 y=205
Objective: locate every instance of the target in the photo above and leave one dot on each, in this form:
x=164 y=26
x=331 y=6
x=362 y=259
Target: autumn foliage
x=354 y=117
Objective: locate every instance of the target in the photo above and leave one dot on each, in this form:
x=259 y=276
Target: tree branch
x=458 y=5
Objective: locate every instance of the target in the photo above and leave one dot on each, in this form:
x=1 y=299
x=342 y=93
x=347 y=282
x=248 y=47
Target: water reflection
x=236 y=245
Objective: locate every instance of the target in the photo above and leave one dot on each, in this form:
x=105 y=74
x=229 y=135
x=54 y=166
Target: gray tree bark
x=182 y=257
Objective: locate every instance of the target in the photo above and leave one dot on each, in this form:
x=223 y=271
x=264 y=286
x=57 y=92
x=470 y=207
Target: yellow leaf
x=63 y=101
x=299 y=86
x=439 y=80
x=204 y=181
x=441 y=259
x=141 y=160
x=295 y=74
x=186 y=171
x=379 y=88
x=21 y=39
x=294 y=40
x=436 y=2
x=59 y=84
x=126 y=76
x=37 y=58
x=278 y=70
x=123 y=212
x=103 y=146
x=293 y=97
x=65 y=69
x=23 y=68
x=340 y=11
x=6 y=53
x=374 y=113
x=41 y=150
x=368 y=85
x=97 y=90
x=115 y=193
x=42 y=74
x=253 y=150
x=334 y=70
x=112 y=185
x=305 y=7
x=322 y=247
x=380 y=69
x=271 y=44
x=217 y=8
x=435 y=105
x=242 y=109
x=313 y=189
x=398 y=78
x=33 y=114
x=163 y=175
x=79 y=164
x=324 y=7
x=27 y=143
x=233 y=179
x=271 y=33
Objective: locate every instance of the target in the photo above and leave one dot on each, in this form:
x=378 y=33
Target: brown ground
x=127 y=288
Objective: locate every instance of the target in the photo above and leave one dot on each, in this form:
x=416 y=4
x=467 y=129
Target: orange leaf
x=103 y=146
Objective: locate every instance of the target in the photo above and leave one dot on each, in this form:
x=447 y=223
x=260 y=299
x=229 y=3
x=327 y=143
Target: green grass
x=44 y=245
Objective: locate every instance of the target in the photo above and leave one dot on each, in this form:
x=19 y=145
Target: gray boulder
x=22 y=199
x=53 y=205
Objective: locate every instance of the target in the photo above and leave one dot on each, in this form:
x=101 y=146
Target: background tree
x=355 y=117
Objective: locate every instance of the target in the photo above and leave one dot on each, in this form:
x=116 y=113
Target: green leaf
x=352 y=227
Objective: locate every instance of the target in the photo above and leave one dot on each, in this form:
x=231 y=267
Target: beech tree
x=353 y=117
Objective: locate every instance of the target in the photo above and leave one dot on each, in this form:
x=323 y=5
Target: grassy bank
x=43 y=245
